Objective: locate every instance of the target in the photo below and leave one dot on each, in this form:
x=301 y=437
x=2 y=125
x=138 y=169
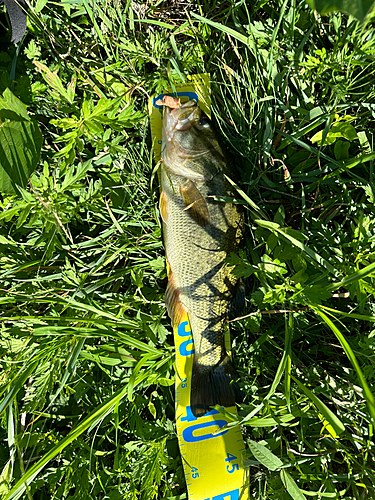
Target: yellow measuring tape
x=212 y=458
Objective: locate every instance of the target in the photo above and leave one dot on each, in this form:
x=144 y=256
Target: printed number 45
x=232 y=467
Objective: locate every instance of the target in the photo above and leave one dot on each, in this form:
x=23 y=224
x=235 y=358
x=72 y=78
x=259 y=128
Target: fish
x=199 y=233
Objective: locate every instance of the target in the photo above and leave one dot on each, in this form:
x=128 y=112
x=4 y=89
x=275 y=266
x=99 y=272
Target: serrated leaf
x=53 y=80
x=242 y=268
x=71 y=88
x=286 y=236
x=106 y=105
x=65 y=123
x=264 y=455
x=5 y=478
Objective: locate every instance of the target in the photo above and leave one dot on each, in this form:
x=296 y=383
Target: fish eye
x=204 y=122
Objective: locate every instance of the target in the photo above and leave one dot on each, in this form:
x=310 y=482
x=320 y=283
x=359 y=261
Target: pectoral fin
x=195 y=203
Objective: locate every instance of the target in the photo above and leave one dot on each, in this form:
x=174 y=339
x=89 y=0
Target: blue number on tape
x=181 y=332
x=230 y=457
x=232 y=468
x=190 y=95
x=188 y=433
x=183 y=349
x=233 y=495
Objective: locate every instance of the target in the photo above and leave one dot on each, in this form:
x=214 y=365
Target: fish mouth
x=180 y=118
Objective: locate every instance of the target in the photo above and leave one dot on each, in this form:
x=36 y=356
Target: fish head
x=188 y=136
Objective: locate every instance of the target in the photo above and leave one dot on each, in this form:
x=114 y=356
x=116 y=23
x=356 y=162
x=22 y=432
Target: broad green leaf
x=264 y=455
x=12 y=108
x=40 y=4
x=20 y=144
x=336 y=423
x=316 y=293
x=345 y=130
x=105 y=106
x=341 y=150
x=357 y=8
x=338 y=129
x=291 y=486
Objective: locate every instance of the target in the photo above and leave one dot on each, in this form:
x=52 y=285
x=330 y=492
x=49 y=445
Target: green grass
x=86 y=350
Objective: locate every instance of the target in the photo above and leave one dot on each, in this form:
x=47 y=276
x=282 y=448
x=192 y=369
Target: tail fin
x=214 y=385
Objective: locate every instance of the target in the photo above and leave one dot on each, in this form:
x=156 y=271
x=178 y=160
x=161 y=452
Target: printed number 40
x=232 y=467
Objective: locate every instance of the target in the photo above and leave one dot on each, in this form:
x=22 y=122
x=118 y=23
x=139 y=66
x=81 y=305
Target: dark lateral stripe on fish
x=214 y=386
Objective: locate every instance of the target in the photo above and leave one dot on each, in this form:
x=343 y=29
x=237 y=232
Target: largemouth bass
x=199 y=233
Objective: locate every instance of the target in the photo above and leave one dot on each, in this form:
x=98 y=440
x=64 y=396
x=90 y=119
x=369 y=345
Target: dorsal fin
x=195 y=203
